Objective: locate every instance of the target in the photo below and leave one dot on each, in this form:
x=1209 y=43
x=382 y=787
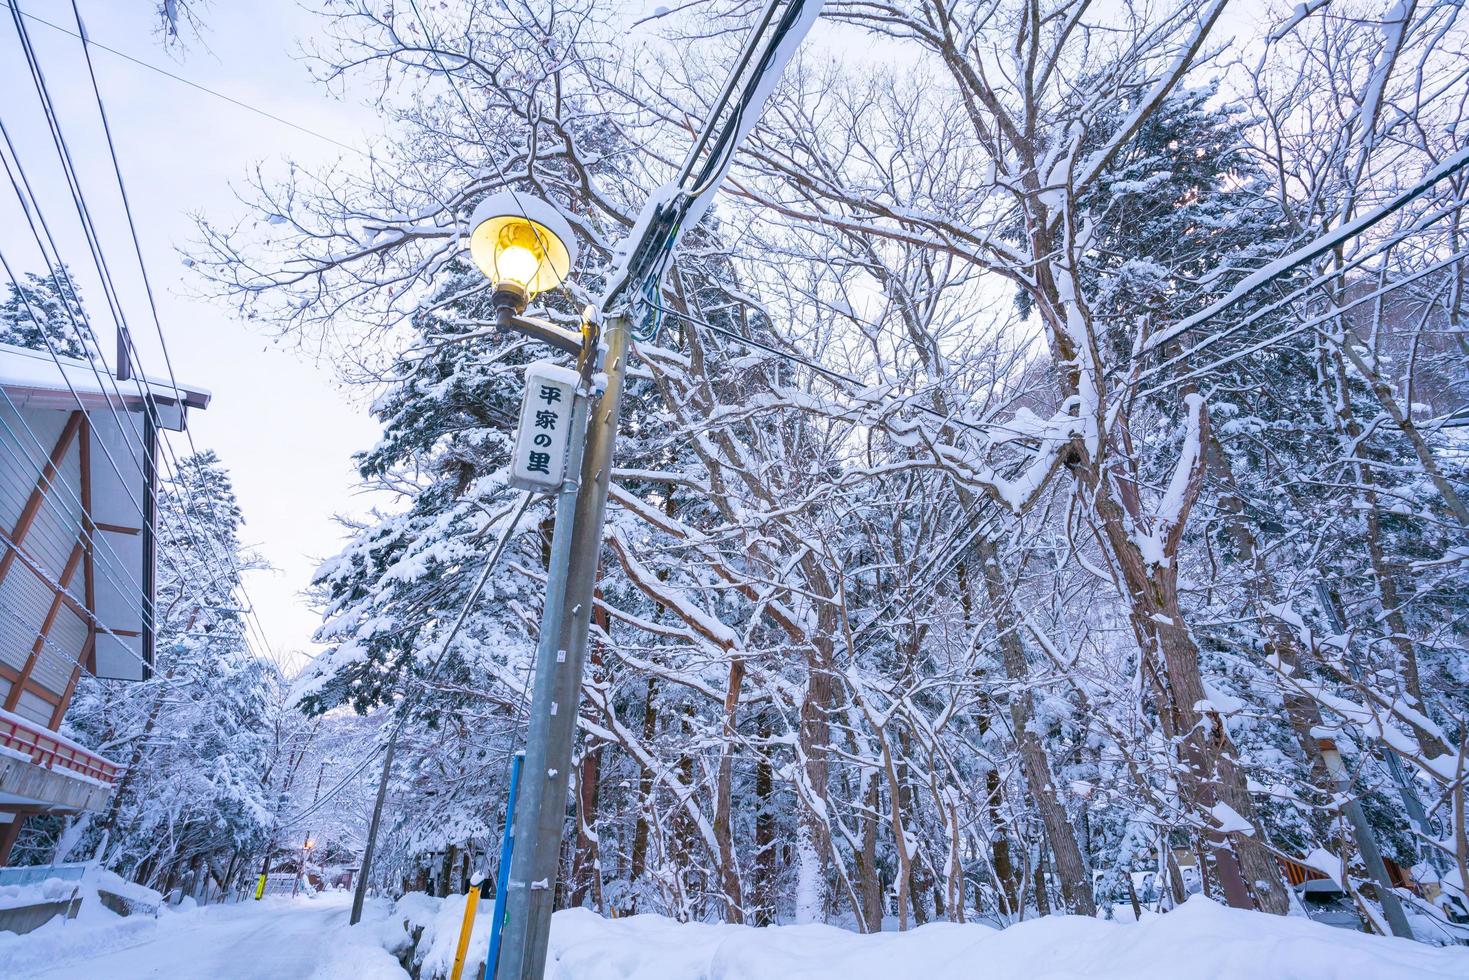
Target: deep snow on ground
x=274 y=939
x=287 y=939
x=1199 y=941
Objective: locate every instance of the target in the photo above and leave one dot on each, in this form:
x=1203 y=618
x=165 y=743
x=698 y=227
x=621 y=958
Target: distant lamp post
x=522 y=245
x=301 y=872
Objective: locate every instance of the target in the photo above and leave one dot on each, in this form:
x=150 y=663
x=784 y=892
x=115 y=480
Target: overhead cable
x=1314 y=249
x=93 y=42
x=110 y=292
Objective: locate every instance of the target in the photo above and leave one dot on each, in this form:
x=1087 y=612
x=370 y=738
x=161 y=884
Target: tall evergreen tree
x=45 y=313
x=194 y=736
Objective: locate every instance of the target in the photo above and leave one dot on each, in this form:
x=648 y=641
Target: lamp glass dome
x=510 y=247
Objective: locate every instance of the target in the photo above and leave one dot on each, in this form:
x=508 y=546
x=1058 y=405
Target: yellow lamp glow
x=521 y=243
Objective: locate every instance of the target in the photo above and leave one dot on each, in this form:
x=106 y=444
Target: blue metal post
x=502 y=877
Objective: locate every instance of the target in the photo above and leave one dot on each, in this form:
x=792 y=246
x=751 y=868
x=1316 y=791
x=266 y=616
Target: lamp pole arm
x=537 y=329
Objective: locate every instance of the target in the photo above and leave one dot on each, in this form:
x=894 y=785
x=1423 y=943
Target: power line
x=153 y=306
x=51 y=487
x=88 y=339
x=111 y=293
x=1314 y=249
x=122 y=479
x=90 y=41
x=664 y=224
x=127 y=210
x=52 y=536
x=1381 y=248
x=410 y=697
x=122 y=429
x=38 y=570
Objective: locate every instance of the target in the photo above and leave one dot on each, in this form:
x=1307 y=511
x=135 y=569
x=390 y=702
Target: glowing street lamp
x=522 y=244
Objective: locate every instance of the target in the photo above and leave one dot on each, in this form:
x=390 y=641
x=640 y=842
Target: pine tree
x=45 y=313
x=194 y=735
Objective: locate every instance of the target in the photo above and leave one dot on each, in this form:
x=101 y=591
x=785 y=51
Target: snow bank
x=1199 y=941
x=441 y=920
x=365 y=960
x=96 y=930
x=440 y=939
x=63 y=887
x=141 y=897
x=370 y=949
x=50 y=890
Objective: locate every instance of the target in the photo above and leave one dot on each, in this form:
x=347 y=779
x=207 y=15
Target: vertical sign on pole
x=539 y=461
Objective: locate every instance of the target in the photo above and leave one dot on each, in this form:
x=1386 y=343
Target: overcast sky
x=282 y=427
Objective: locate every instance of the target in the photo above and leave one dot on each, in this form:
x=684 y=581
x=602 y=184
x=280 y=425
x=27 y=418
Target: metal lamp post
x=524 y=251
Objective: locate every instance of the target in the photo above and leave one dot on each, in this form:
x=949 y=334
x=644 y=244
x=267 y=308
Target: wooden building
x=78 y=481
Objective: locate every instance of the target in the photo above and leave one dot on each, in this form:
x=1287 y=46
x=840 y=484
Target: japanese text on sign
x=545 y=426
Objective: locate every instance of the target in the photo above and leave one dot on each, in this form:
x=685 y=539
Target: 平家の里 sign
x=545 y=427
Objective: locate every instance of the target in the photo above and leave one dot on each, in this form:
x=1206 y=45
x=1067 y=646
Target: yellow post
x=260 y=888
x=471 y=901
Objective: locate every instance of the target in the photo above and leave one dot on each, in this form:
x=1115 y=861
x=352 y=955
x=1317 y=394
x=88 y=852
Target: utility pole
x=124 y=359
x=359 y=893
x=540 y=813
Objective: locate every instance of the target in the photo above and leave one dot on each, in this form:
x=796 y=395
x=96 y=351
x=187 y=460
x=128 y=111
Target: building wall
x=52 y=463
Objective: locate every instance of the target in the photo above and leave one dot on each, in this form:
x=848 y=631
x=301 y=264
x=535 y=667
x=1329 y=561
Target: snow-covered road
x=276 y=939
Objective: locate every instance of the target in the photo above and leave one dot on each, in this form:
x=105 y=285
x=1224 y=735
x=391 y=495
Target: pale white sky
x=282 y=427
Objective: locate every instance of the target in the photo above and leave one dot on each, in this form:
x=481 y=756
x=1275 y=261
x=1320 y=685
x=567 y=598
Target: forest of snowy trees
x=996 y=514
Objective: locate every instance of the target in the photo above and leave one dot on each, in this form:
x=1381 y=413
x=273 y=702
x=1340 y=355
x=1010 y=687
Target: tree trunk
x=904 y=877
x=1038 y=878
x=639 y=857
x=1007 y=886
x=1209 y=775
x=1175 y=873
x=682 y=831
x=729 y=872
x=1071 y=870
x=1302 y=712
x=869 y=874
x=765 y=884
x=446 y=887
x=586 y=866
x=813 y=739
x=585 y=877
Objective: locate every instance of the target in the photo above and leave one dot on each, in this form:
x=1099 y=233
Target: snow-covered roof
x=36 y=378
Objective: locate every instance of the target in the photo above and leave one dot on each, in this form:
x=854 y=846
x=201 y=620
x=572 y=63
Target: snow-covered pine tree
x=45 y=313
x=194 y=735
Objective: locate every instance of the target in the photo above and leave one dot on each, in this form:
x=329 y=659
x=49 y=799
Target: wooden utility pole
x=359 y=894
